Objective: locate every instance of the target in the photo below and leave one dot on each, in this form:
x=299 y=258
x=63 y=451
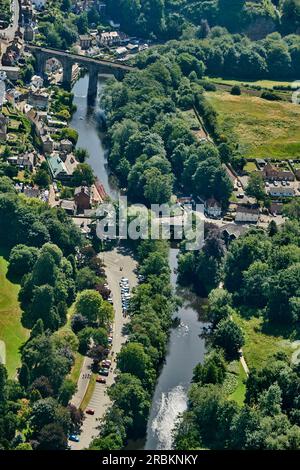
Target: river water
x=186 y=348
x=85 y=120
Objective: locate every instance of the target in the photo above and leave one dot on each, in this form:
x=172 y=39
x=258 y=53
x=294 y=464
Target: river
x=186 y=348
x=85 y=121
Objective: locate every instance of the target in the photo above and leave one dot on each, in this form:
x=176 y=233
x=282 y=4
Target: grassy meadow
x=263 y=129
x=12 y=333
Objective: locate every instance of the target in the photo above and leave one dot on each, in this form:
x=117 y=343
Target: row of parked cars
x=125 y=295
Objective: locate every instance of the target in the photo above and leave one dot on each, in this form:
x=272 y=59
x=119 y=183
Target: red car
x=90 y=411
x=101 y=380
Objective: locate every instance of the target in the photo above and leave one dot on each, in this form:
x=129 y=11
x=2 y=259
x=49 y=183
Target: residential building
x=82 y=198
x=132 y=48
x=247 y=214
x=281 y=191
x=276 y=208
x=27 y=161
x=31 y=192
x=39 y=99
x=85 y=41
x=66 y=145
x=39 y=4
x=212 y=208
x=47 y=143
x=68 y=206
x=28 y=33
x=111 y=38
x=12 y=72
x=272 y=173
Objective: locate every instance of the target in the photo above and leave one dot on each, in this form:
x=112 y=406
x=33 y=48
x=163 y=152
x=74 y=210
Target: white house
x=247 y=214
x=212 y=208
x=39 y=4
x=282 y=192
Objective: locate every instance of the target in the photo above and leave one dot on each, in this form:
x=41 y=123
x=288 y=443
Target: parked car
x=101 y=380
x=104 y=372
x=73 y=438
x=90 y=411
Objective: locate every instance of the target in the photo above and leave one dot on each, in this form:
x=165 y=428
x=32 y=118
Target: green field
x=12 y=332
x=263 y=129
x=262 y=83
x=258 y=345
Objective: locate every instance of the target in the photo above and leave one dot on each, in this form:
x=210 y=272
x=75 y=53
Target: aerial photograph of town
x=149 y=228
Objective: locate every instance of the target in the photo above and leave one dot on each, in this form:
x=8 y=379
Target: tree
x=85 y=279
x=235 y=90
x=133 y=399
x=229 y=336
x=83 y=175
x=212 y=371
x=21 y=260
x=219 y=302
x=88 y=304
x=256 y=186
x=81 y=154
x=42 y=178
x=256 y=284
x=133 y=360
x=52 y=437
x=66 y=5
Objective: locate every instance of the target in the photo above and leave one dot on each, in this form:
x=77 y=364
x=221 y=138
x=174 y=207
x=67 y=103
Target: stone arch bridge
x=67 y=60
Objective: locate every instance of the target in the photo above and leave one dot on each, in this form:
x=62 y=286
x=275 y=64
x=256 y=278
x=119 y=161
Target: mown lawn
x=12 y=332
x=239 y=393
x=260 y=346
x=263 y=129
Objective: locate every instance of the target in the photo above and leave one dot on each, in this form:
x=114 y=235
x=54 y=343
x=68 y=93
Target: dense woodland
x=173 y=19
x=261 y=274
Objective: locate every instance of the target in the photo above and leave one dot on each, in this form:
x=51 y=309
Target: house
x=231 y=232
x=212 y=208
x=28 y=33
x=47 y=143
x=39 y=99
x=57 y=168
x=85 y=41
x=110 y=38
x=37 y=81
x=3 y=127
x=26 y=161
x=70 y=163
x=39 y=4
x=247 y=213
x=281 y=192
x=132 y=48
x=12 y=73
x=276 y=208
x=66 y=145
x=82 y=198
x=121 y=51
x=31 y=192
x=272 y=173
x=68 y=206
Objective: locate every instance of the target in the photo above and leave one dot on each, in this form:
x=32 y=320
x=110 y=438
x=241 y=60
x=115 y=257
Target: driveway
x=100 y=401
